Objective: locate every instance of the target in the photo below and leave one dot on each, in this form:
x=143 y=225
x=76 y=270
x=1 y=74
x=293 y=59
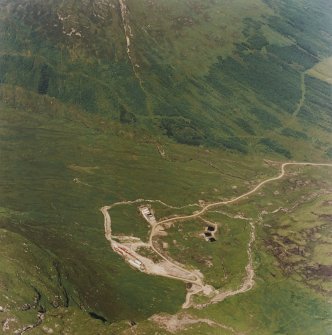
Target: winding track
x=226 y=202
x=249 y=279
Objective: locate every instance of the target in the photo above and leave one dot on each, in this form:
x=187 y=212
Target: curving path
x=226 y=202
x=248 y=282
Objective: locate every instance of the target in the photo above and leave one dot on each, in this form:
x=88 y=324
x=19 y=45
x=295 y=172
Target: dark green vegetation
x=200 y=77
x=219 y=87
x=60 y=171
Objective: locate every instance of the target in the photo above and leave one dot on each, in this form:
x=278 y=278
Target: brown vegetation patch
x=297 y=259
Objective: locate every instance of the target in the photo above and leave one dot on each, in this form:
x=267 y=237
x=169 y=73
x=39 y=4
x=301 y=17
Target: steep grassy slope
x=216 y=73
x=61 y=168
x=84 y=118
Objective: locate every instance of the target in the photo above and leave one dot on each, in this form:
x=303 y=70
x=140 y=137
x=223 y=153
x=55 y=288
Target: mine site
x=127 y=246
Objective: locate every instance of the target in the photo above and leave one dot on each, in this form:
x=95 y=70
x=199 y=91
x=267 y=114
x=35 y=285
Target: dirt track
x=226 y=202
x=248 y=282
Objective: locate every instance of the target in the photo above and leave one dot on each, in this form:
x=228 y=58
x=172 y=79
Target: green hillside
x=184 y=101
x=212 y=73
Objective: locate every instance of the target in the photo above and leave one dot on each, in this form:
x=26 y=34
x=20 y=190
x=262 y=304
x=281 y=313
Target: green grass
x=222 y=77
x=203 y=81
x=62 y=216
x=222 y=262
x=126 y=220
